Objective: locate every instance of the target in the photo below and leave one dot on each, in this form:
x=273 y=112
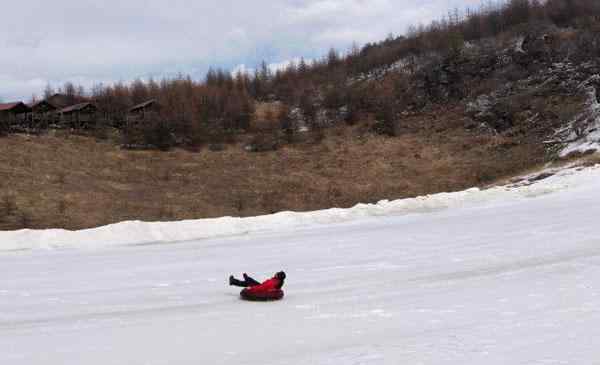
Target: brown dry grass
x=78 y=182
x=266 y=115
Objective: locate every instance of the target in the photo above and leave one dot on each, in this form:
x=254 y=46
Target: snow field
x=508 y=275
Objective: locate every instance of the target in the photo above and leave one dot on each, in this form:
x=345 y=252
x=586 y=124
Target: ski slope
x=509 y=275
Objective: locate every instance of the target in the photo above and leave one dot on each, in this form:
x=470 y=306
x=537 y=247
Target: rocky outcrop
x=515 y=102
x=582 y=133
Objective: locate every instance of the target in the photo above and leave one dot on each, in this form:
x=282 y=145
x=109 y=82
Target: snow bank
x=137 y=233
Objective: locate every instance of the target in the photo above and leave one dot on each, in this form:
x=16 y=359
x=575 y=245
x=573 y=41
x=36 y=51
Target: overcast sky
x=92 y=41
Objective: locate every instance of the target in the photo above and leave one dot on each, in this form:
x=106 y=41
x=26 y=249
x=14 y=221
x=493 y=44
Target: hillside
x=79 y=182
x=462 y=102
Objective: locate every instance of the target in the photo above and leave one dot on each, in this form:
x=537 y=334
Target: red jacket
x=269 y=290
x=267 y=286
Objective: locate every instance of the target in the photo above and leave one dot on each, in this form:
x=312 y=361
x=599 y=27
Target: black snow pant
x=247 y=282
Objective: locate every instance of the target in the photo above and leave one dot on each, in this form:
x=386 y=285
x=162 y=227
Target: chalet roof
x=59 y=100
x=39 y=103
x=142 y=105
x=55 y=95
x=16 y=107
x=8 y=106
x=76 y=107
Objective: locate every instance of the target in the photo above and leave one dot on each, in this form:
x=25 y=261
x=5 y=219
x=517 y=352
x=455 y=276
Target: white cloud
x=243 y=69
x=334 y=10
x=92 y=40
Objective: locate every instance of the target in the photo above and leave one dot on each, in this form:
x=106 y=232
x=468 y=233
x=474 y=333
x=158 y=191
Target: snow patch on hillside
x=582 y=134
x=407 y=65
x=519 y=45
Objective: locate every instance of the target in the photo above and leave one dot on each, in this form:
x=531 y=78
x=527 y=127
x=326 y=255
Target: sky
x=89 y=41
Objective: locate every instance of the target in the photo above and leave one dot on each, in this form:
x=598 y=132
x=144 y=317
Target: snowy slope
x=509 y=275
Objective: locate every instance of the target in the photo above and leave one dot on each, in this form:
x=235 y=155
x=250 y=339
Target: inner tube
x=262 y=295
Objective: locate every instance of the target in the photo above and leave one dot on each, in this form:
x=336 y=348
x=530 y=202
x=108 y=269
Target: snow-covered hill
x=508 y=275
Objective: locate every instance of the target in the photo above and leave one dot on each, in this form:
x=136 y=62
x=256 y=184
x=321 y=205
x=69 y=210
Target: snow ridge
x=138 y=233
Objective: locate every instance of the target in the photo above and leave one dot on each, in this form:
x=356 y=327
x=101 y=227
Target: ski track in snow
x=509 y=275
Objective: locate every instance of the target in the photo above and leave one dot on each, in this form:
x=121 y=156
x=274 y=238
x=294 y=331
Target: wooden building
x=143 y=111
x=82 y=115
x=61 y=100
x=13 y=114
x=42 y=114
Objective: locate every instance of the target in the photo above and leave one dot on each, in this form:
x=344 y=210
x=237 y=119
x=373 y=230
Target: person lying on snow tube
x=268 y=290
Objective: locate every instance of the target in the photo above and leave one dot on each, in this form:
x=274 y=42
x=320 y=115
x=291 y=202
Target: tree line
x=221 y=105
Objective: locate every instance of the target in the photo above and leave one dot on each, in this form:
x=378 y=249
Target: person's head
x=280 y=275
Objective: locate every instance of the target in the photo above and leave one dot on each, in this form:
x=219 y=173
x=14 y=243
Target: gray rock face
x=323 y=118
x=503 y=107
x=492 y=111
x=481 y=108
x=298 y=121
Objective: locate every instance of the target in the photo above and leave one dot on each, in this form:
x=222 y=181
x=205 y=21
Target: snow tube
x=261 y=295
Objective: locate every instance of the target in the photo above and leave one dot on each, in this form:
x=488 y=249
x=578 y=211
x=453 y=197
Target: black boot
x=235 y=282
x=250 y=281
